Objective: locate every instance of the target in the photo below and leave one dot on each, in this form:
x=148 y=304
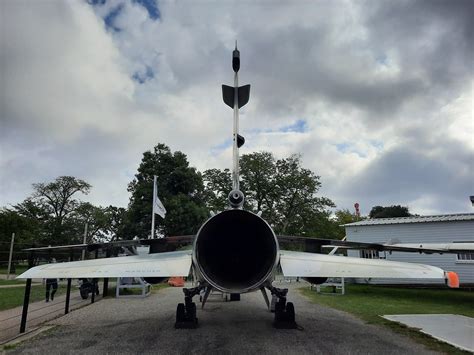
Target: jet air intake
x=236 y=251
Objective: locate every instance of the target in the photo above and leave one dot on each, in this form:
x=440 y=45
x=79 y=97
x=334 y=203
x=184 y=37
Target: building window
x=372 y=254
x=465 y=258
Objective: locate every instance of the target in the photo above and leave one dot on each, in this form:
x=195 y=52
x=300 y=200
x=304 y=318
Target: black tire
x=192 y=311
x=279 y=307
x=180 y=314
x=290 y=311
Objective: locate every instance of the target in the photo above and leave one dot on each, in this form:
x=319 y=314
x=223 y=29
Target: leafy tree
x=259 y=172
x=217 y=185
x=51 y=204
x=345 y=216
x=391 y=211
x=297 y=202
x=283 y=190
x=25 y=229
x=180 y=188
x=96 y=219
x=116 y=222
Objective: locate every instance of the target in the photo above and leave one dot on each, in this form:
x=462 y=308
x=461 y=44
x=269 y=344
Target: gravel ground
x=146 y=326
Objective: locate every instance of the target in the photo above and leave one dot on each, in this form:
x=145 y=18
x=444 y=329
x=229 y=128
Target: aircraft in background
x=236 y=251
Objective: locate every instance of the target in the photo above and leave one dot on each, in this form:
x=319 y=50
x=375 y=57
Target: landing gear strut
x=284 y=311
x=186 y=312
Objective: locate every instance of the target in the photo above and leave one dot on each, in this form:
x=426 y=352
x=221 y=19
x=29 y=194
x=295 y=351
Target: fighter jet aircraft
x=236 y=251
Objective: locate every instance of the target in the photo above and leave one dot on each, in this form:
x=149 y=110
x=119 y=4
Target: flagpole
x=152 y=235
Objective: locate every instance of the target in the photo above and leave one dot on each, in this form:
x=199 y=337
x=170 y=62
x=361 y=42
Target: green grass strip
x=370 y=302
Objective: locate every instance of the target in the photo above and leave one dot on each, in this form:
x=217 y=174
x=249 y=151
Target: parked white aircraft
x=236 y=251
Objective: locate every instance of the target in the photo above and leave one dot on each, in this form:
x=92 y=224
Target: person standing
x=51 y=284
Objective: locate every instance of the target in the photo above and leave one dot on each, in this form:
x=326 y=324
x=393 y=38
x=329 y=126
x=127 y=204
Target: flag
x=158 y=207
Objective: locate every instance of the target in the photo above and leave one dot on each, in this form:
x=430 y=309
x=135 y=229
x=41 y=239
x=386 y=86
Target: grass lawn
x=12 y=282
x=13 y=297
x=19 y=269
x=369 y=302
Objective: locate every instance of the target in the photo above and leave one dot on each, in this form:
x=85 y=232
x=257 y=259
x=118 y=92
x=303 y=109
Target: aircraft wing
x=177 y=263
x=320 y=265
x=426 y=248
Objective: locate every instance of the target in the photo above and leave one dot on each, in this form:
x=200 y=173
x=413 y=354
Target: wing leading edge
x=320 y=265
x=176 y=263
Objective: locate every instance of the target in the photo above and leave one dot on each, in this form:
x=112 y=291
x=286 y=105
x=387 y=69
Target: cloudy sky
x=377 y=96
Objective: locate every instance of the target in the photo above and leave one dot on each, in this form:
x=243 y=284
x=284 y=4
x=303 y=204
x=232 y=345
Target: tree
x=51 y=204
x=283 y=190
x=180 y=188
x=217 y=185
x=96 y=219
x=116 y=222
x=25 y=229
x=297 y=201
x=259 y=172
x=345 y=216
x=392 y=211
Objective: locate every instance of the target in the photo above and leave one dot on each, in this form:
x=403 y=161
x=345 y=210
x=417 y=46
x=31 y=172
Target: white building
x=421 y=229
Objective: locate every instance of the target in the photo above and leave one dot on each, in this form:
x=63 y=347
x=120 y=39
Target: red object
x=452 y=279
x=176 y=281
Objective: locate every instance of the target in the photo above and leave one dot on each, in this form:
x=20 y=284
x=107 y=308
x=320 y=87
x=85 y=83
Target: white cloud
x=380 y=91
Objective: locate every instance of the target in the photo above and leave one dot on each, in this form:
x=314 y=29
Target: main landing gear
x=186 y=312
x=284 y=311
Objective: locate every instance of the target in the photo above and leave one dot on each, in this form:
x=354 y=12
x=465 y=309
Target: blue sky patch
x=343 y=147
x=151 y=6
x=142 y=77
x=96 y=2
x=111 y=16
x=299 y=126
x=226 y=144
x=377 y=144
x=349 y=148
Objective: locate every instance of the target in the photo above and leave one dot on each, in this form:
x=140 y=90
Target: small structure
x=132 y=283
x=449 y=228
x=337 y=283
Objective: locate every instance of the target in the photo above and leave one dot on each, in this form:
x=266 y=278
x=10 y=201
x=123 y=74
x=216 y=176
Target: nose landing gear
x=284 y=311
x=186 y=312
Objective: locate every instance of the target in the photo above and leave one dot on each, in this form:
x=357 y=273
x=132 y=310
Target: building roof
x=414 y=219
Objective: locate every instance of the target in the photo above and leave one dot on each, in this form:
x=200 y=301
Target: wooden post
x=10 y=256
x=26 y=302
x=68 y=296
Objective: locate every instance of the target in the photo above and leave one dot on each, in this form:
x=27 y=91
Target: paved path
x=38 y=313
x=454 y=329
x=130 y=326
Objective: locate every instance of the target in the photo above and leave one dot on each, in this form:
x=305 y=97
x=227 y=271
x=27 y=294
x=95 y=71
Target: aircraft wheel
x=180 y=313
x=290 y=311
x=279 y=307
x=191 y=311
